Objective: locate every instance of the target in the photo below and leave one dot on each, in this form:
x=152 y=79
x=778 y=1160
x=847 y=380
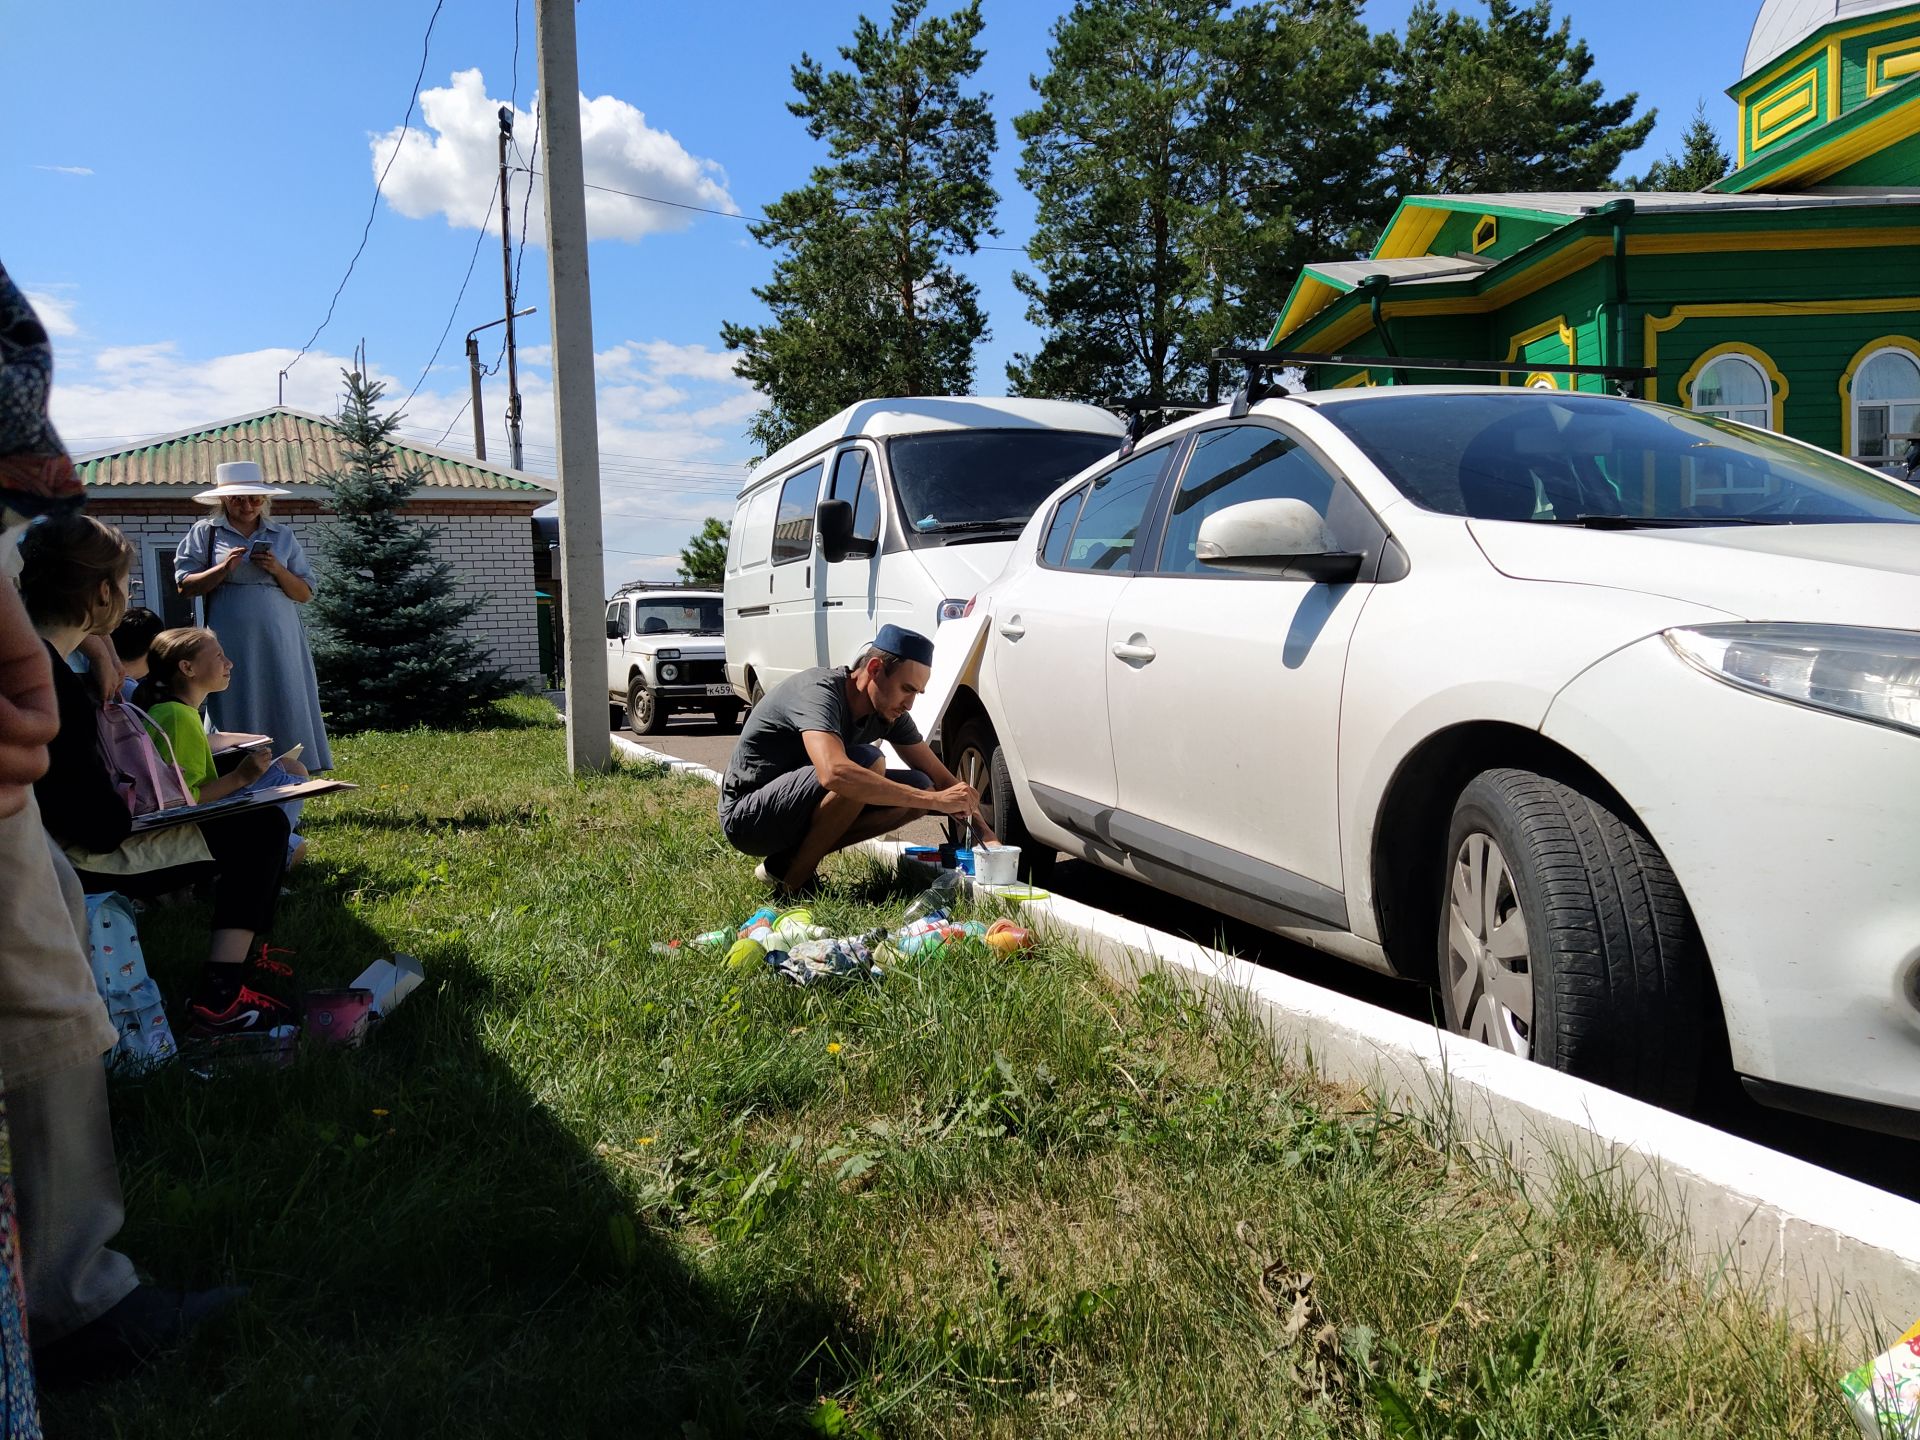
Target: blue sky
x=187 y=184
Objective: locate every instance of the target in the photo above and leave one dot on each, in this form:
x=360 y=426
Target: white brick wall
x=491 y=555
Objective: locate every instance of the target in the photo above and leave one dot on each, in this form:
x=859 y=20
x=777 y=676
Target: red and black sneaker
x=270 y=971
x=250 y=1012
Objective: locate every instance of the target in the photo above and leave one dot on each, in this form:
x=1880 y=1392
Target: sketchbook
x=233 y=804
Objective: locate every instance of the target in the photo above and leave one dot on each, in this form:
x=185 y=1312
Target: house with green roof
x=1787 y=296
x=482 y=514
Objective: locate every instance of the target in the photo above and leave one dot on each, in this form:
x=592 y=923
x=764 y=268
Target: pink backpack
x=146 y=779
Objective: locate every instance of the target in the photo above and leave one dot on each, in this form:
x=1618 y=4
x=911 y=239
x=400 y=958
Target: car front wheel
x=645 y=714
x=1565 y=938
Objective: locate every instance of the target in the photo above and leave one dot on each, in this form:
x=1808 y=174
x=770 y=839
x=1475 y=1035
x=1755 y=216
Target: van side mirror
x=833 y=523
x=613 y=629
x=1286 y=539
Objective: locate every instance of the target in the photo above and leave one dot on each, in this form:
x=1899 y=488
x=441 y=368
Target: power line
x=447 y=329
x=406 y=124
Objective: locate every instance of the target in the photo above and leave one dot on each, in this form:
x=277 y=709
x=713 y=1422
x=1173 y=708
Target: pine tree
x=1187 y=159
x=1501 y=105
x=1700 y=162
x=387 y=646
x=864 y=300
x=704 y=560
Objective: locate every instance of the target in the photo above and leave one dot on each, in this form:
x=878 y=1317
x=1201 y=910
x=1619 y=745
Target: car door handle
x=1133 y=654
x=1013 y=629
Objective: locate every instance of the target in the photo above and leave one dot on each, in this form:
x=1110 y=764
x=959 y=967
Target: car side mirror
x=1286 y=539
x=833 y=523
x=613 y=629
x=1912 y=457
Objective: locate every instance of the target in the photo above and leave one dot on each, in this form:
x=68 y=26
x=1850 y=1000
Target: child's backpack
x=132 y=999
x=146 y=779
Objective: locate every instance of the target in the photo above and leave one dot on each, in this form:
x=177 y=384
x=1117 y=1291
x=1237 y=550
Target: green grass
x=577 y=1188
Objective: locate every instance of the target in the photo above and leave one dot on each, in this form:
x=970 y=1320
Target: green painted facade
x=1778 y=266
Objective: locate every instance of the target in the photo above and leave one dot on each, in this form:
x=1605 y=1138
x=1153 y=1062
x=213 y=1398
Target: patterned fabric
x=19 y=1403
x=36 y=475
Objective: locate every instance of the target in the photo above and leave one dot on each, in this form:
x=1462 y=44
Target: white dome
x=1783 y=24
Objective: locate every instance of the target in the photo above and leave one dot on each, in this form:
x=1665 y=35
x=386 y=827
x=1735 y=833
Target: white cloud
x=453 y=170
x=65 y=169
x=56 y=314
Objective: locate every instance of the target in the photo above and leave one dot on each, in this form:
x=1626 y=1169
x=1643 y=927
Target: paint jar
x=996 y=864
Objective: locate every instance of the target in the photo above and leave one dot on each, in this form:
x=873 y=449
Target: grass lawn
x=577 y=1188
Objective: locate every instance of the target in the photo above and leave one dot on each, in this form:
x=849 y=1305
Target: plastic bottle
x=936 y=897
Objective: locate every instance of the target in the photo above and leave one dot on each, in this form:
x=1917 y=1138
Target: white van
x=892 y=512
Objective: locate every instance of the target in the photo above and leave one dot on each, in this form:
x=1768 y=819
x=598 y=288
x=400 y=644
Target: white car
x=665 y=654
x=1602 y=717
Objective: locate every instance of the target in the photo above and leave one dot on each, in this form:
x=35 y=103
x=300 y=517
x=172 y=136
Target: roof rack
x=1259 y=362
x=1138 y=407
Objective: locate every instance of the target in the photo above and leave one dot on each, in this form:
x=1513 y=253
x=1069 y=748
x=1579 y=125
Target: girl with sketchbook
x=184 y=667
x=74 y=583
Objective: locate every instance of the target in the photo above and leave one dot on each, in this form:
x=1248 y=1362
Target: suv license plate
x=719 y=689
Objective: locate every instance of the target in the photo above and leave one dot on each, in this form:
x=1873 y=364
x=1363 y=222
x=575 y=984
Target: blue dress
x=273 y=691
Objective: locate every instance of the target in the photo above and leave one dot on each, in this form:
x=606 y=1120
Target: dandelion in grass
x=647 y=1139
x=833 y=1047
x=382 y=1114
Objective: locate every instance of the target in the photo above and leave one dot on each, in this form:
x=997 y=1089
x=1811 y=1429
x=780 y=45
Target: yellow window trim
x=1786 y=64
x=1492 y=225
x=1896 y=125
x=1860 y=357
x=1780 y=115
x=1891 y=63
x=1655 y=325
x=1541 y=380
x=1358 y=378
x=1775 y=379
x=1546 y=329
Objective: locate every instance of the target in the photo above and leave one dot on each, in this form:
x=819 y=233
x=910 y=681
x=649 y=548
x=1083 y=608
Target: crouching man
x=808 y=777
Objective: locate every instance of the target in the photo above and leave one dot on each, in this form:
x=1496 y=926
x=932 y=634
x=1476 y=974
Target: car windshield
x=694 y=615
x=983 y=484
x=1606 y=463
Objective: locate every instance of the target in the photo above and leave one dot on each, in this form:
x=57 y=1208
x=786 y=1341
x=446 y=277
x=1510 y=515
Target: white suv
x=1602 y=717
x=665 y=653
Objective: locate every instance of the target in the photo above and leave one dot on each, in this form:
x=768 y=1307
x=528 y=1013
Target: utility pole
x=506 y=276
x=473 y=375
x=575 y=416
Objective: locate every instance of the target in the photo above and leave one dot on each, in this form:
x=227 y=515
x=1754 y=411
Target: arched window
x=1734 y=387
x=1886 y=403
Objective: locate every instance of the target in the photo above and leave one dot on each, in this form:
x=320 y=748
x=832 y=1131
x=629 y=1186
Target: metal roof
x=1783 y=24
x=1409 y=270
x=916 y=415
x=294 y=449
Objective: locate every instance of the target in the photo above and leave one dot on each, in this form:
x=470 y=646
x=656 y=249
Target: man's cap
x=907 y=644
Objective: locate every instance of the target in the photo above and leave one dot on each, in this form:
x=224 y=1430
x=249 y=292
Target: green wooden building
x=1788 y=296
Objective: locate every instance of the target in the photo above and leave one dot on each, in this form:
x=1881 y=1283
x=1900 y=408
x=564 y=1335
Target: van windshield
x=958 y=485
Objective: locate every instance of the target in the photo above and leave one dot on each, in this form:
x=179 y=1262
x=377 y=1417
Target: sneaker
x=250 y=1012
x=781 y=890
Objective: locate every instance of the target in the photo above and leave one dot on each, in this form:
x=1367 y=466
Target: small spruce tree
x=388 y=649
x=704 y=559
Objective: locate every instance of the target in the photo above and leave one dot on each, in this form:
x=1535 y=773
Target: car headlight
x=667 y=654
x=1852 y=670
x=669 y=672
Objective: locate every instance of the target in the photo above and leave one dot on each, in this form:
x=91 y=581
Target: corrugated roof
x=293 y=448
x=1655 y=202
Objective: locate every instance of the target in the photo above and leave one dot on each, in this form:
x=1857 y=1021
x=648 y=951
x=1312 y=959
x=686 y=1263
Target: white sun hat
x=237 y=477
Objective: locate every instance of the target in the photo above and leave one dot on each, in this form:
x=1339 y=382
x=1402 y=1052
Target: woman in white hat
x=254 y=577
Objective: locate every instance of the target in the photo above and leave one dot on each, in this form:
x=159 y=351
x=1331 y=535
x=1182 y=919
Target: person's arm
x=252 y=766
x=842 y=775
x=29 y=711
x=291 y=578
x=920 y=756
x=194 y=550
x=78 y=802
x=105 y=675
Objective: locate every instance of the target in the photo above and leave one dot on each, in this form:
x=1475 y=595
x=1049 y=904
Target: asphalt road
x=1892 y=1164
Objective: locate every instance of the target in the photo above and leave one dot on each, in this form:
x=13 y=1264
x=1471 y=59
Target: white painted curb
x=1829 y=1249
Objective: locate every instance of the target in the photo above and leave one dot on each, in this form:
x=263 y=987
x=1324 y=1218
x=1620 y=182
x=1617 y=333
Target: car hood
x=691 y=647
x=1837 y=574
x=961 y=571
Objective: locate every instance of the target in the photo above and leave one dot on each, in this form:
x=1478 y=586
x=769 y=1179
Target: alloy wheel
x=1489 y=979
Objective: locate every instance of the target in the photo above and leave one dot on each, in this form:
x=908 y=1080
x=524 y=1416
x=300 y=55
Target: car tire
x=616 y=715
x=728 y=717
x=1036 y=859
x=754 y=693
x=1605 y=957
x=645 y=714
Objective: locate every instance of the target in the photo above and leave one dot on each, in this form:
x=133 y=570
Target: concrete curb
x=1830 y=1250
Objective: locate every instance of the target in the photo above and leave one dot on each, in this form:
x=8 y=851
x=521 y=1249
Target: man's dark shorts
x=774 y=818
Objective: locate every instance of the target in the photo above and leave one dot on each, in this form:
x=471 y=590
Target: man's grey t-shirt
x=771 y=743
